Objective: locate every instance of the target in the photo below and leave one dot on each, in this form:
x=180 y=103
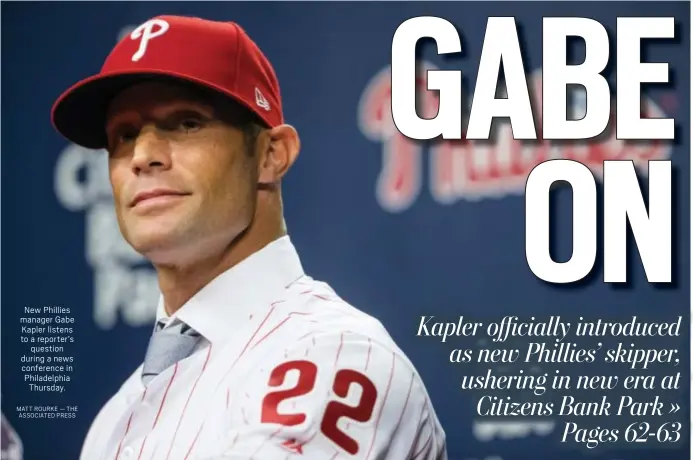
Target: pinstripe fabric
x=285 y=369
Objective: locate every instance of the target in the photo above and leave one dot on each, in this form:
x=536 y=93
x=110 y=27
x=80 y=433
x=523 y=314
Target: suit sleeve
x=337 y=395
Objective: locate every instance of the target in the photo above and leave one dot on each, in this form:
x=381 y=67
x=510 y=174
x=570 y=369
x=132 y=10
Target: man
x=250 y=357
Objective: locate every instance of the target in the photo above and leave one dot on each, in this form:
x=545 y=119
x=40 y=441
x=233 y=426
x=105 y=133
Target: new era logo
x=261 y=101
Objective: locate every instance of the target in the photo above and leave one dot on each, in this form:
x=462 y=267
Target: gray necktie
x=168 y=346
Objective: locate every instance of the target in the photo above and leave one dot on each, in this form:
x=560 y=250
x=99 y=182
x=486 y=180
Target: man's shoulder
x=131 y=386
x=319 y=311
x=337 y=352
x=111 y=409
x=313 y=320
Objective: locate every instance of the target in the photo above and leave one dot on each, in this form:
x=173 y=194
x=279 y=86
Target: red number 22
x=334 y=410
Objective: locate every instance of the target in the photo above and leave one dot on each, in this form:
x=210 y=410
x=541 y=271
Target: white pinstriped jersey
x=287 y=370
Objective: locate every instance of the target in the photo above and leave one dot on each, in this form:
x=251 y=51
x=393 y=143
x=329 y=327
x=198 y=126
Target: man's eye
x=190 y=124
x=127 y=135
x=122 y=136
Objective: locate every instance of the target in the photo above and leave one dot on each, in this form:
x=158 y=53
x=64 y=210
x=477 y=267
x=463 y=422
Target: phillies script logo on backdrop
x=474 y=170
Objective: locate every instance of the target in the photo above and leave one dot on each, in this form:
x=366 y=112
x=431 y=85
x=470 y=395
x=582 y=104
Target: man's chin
x=156 y=246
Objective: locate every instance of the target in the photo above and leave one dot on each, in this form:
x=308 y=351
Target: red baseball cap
x=216 y=55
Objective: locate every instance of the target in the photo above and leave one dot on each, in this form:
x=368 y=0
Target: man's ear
x=279 y=149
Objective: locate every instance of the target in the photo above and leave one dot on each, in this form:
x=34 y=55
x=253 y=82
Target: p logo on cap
x=150 y=29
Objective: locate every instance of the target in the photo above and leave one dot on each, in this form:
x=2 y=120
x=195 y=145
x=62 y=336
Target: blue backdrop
x=400 y=229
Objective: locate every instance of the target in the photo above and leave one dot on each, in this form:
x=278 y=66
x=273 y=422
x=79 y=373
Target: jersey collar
x=245 y=289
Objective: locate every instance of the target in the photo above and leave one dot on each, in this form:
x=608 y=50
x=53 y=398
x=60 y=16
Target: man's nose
x=152 y=151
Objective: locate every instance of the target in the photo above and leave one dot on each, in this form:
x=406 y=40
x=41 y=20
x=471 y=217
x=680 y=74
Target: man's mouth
x=151 y=194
